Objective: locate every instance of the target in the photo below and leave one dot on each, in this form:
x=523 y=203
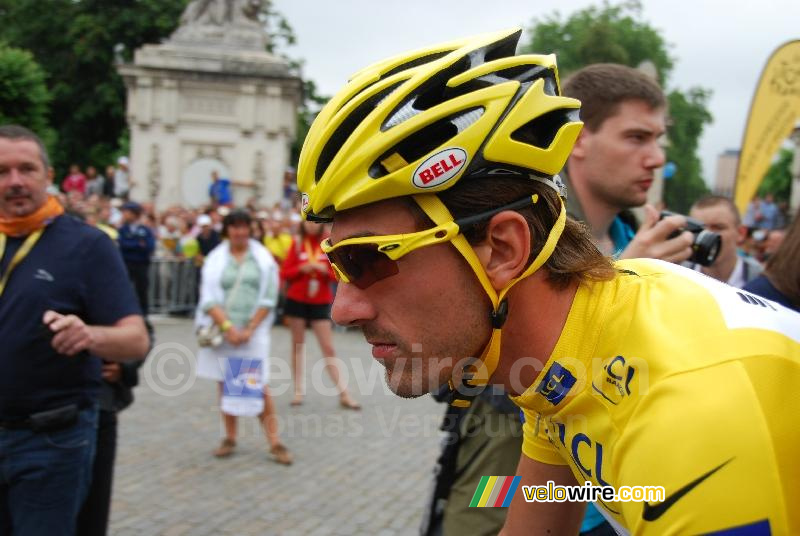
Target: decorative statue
x=221 y=12
x=231 y=22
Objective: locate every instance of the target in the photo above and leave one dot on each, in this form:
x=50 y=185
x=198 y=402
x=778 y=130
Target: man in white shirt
x=720 y=215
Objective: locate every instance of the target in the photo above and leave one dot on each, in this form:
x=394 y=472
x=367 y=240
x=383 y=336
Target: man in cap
x=137 y=243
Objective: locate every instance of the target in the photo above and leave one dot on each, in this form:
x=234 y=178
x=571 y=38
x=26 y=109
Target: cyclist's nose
x=351 y=306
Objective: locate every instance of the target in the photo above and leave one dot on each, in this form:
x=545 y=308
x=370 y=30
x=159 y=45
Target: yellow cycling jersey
x=666 y=377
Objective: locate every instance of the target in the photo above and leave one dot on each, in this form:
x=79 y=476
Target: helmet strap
x=477 y=372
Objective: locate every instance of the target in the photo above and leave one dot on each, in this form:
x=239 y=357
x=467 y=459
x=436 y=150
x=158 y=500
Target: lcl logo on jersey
x=586 y=453
x=440 y=168
x=304 y=203
x=614 y=382
x=556 y=384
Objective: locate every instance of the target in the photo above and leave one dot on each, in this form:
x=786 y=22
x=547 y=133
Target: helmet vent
x=430 y=93
x=404 y=113
x=416 y=62
x=426 y=140
x=503 y=48
x=541 y=131
x=346 y=128
x=466 y=119
x=524 y=73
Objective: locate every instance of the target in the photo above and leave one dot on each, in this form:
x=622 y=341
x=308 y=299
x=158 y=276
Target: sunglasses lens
x=363 y=264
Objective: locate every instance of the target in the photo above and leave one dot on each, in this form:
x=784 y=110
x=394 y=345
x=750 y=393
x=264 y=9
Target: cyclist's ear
x=505 y=250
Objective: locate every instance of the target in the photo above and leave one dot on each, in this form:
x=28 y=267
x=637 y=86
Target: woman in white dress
x=238 y=293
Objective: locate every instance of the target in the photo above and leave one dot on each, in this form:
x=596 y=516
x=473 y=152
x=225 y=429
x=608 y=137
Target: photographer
x=610 y=170
x=612 y=164
x=721 y=216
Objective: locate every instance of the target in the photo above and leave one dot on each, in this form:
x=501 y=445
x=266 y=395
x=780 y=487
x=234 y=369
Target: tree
x=617 y=34
x=778 y=180
x=689 y=115
x=77 y=43
x=607 y=34
x=24 y=97
x=281 y=33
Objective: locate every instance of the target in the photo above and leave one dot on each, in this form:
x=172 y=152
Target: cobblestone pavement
x=355 y=473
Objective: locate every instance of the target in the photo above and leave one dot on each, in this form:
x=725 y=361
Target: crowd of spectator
x=180 y=232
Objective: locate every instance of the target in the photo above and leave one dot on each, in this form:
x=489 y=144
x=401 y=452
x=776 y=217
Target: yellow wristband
x=225 y=326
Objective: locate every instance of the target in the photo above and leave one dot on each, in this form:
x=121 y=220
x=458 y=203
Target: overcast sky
x=715 y=44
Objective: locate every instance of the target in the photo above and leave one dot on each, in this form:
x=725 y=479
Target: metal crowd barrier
x=173 y=286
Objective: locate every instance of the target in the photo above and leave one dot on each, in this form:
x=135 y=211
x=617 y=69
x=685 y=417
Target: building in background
x=210 y=99
x=725 y=177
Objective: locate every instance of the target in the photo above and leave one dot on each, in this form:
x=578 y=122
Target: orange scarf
x=36 y=220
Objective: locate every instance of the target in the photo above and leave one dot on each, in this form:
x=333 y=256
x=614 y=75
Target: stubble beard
x=426 y=365
x=417 y=375
x=19 y=208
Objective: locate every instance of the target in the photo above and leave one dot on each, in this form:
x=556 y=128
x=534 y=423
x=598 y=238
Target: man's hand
x=112 y=372
x=71 y=334
x=651 y=241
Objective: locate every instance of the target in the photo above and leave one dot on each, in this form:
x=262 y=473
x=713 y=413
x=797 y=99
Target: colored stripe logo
x=495 y=491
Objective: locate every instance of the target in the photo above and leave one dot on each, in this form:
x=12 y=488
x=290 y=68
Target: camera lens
x=706 y=248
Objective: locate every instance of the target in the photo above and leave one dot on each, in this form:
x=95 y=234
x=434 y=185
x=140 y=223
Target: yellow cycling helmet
x=419 y=122
x=416 y=124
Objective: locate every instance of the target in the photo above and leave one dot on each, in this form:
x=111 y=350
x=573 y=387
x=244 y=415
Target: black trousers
x=93 y=517
x=139 y=275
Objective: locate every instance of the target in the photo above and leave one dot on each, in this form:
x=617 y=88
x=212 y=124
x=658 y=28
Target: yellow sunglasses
x=365 y=260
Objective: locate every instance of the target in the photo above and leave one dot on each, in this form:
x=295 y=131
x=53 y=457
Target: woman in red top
x=308 y=301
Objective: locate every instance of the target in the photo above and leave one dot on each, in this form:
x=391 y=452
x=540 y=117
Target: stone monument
x=210 y=98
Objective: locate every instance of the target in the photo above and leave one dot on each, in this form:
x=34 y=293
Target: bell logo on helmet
x=440 y=168
x=304 y=203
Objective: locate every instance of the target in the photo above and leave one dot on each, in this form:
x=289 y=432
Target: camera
x=706 y=244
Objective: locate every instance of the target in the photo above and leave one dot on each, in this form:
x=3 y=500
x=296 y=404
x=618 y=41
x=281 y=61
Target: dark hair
x=602 y=87
x=16 y=132
x=237 y=216
x=711 y=200
x=783 y=267
x=575 y=258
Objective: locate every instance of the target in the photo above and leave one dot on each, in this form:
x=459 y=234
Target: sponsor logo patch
x=613 y=383
x=440 y=168
x=556 y=384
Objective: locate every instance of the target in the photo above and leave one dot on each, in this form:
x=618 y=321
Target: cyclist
x=450 y=238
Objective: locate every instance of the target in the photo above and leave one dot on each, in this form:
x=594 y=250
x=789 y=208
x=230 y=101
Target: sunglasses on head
x=365 y=260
